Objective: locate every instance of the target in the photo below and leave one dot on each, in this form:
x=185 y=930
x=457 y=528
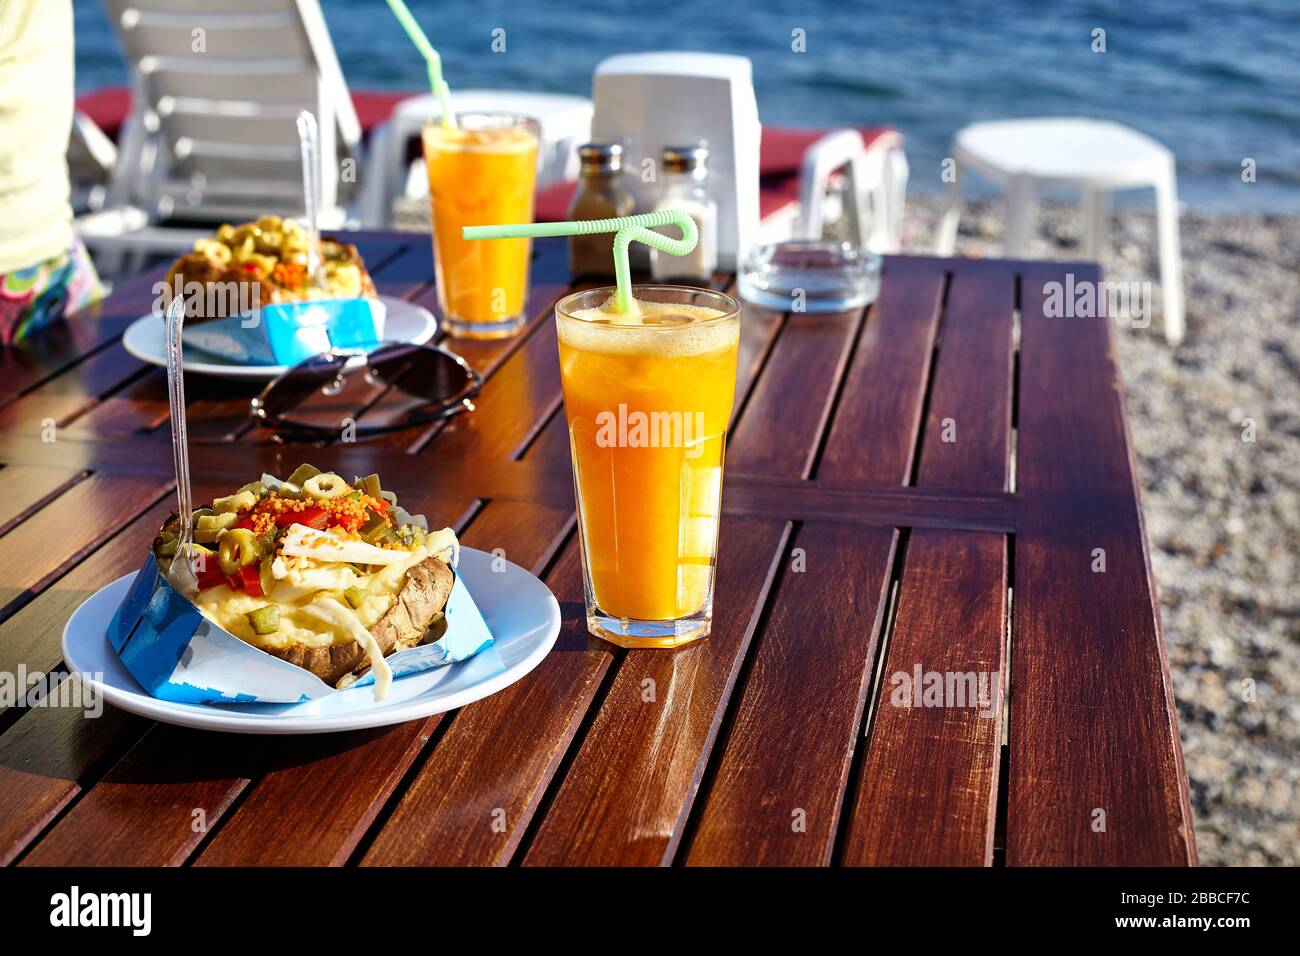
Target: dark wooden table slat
x=927 y=792
x=1096 y=767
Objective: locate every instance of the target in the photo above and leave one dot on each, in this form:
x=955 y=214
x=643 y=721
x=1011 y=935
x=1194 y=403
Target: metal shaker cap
x=684 y=159
x=601 y=157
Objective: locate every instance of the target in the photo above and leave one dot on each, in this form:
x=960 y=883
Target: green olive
x=325 y=486
x=268 y=242
x=238 y=547
x=248 y=231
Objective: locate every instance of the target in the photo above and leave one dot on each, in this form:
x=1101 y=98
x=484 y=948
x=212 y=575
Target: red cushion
x=109 y=107
x=781 y=149
x=775 y=193
x=374 y=107
x=552 y=202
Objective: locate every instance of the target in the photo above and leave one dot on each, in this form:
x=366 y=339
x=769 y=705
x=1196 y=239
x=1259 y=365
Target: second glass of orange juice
x=481 y=172
x=648 y=395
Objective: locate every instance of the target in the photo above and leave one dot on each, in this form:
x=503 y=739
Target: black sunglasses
x=319 y=395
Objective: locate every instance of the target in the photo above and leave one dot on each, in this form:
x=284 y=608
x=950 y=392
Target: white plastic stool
x=1094 y=156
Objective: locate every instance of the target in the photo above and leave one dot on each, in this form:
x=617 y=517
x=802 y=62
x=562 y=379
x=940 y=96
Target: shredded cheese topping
x=323 y=546
x=332 y=612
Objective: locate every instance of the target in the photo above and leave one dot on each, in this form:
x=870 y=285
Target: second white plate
x=146 y=339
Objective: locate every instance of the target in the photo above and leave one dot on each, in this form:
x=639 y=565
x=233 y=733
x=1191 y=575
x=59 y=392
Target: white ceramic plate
x=520 y=610
x=145 y=338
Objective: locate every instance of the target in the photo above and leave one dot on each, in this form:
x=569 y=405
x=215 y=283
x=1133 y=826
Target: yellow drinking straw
x=624 y=228
x=431 y=59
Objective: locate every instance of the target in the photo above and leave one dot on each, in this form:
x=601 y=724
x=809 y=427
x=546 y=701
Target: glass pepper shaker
x=601 y=195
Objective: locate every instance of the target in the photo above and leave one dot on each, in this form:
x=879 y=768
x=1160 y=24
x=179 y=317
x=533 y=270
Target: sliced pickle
x=265 y=620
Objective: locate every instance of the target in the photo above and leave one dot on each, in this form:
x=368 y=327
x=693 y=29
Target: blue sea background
x=1218 y=81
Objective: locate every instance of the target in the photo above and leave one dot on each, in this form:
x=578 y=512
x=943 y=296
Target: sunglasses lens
x=394 y=386
x=430 y=374
x=303 y=385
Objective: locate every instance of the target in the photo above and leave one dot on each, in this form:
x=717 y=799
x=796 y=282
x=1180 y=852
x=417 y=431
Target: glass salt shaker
x=685 y=187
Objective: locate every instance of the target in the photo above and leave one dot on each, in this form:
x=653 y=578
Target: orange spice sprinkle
x=344 y=512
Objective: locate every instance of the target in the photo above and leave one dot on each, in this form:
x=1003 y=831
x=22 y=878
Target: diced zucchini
x=265 y=620
x=216 y=522
x=370 y=485
x=256 y=487
x=355 y=597
x=239 y=501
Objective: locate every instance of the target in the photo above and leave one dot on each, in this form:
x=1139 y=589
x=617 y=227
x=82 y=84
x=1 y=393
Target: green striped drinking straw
x=431 y=58
x=625 y=230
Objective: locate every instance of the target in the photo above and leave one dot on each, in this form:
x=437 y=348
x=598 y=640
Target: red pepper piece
x=317 y=518
x=209 y=575
x=251 y=579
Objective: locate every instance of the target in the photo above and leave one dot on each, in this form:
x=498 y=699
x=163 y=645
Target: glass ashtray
x=810 y=275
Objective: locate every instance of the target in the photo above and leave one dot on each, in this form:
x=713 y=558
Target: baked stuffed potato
x=329 y=575
x=268 y=256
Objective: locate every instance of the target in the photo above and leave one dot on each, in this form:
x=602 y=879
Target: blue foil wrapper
x=177 y=654
x=289 y=332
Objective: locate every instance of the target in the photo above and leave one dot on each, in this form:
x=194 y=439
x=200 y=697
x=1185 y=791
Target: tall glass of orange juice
x=481 y=172
x=648 y=394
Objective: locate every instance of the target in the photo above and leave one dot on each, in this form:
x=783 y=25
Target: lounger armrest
x=97 y=144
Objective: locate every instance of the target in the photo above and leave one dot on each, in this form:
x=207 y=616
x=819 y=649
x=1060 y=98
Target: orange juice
x=648 y=397
x=481 y=173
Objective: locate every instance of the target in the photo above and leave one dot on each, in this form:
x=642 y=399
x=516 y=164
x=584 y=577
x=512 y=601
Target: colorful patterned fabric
x=32 y=298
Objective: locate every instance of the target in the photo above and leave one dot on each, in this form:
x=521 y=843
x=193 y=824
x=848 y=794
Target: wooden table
x=937 y=483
